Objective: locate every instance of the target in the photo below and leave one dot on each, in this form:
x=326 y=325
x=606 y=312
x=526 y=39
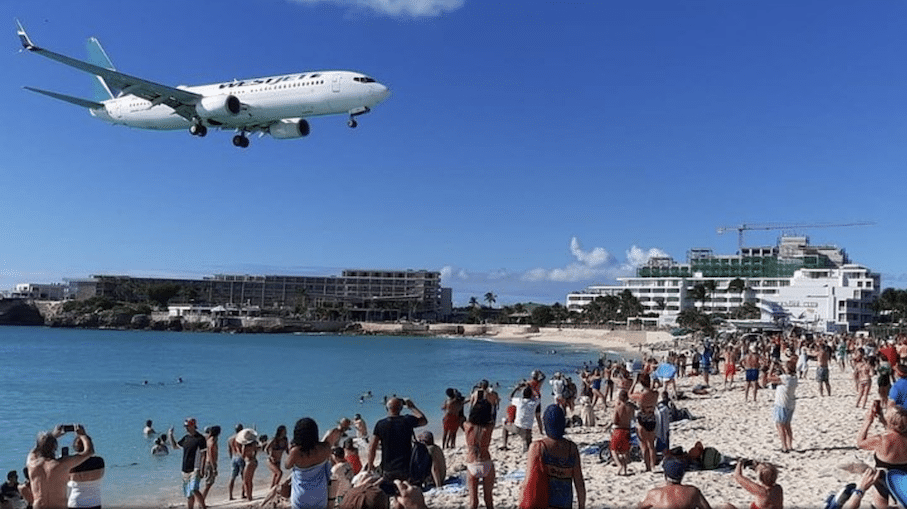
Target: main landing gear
x=198 y=130
x=241 y=141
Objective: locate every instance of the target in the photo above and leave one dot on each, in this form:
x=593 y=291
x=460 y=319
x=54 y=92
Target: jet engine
x=218 y=106
x=289 y=128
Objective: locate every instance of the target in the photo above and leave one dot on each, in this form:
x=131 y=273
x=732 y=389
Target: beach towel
x=535 y=490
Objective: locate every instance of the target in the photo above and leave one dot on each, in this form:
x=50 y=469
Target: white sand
x=824 y=428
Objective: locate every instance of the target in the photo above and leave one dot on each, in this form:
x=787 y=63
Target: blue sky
x=528 y=149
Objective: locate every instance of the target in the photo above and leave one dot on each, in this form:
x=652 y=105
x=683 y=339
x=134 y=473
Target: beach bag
x=535 y=489
x=711 y=458
x=420 y=462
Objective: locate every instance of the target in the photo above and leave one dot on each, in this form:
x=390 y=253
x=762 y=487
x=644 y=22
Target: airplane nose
x=381 y=92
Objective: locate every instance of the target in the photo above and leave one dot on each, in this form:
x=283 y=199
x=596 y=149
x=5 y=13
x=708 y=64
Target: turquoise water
x=52 y=376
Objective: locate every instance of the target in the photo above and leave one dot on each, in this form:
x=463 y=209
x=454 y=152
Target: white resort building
x=792 y=283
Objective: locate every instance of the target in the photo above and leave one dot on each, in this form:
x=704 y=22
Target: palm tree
x=473 y=302
x=491 y=298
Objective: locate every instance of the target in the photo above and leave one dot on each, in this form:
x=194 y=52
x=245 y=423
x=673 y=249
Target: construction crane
x=743 y=227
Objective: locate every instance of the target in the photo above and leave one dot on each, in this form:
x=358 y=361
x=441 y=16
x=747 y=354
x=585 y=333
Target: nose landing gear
x=355 y=113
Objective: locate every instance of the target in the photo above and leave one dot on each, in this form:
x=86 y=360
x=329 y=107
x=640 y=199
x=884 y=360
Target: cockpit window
x=363 y=79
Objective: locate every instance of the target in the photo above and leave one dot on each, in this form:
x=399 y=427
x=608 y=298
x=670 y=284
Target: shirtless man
x=49 y=475
x=453 y=410
x=237 y=462
x=751 y=366
x=620 y=433
x=646 y=422
x=484 y=390
x=211 y=465
x=674 y=495
x=767 y=494
x=823 y=355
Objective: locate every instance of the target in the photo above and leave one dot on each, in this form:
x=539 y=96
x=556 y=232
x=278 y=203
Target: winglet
x=23 y=37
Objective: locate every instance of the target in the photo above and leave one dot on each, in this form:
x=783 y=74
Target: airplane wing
x=74 y=100
x=182 y=101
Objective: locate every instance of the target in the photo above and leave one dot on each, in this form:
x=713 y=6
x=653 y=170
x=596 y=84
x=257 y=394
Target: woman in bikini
x=274 y=451
x=559 y=458
x=479 y=428
x=889 y=448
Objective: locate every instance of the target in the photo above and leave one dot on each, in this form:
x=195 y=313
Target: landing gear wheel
x=352 y=123
x=240 y=141
x=198 y=130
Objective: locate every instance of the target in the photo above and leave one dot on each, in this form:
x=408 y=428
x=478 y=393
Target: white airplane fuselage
x=264 y=100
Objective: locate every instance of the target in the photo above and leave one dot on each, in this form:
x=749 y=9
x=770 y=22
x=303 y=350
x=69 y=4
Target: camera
x=747 y=463
x=68 y=428
x=64 y=452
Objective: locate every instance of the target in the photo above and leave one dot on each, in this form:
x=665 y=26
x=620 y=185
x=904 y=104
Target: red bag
x=535 y=489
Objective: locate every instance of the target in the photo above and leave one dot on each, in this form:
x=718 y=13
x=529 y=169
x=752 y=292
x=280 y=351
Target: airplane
x=275 y=105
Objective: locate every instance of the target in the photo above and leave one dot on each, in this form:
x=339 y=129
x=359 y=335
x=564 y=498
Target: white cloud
x=595 y=266
x=412 y=8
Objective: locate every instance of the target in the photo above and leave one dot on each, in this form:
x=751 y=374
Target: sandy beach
x=822 y=461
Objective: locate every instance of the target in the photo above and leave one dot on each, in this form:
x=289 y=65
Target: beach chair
x=896 y=480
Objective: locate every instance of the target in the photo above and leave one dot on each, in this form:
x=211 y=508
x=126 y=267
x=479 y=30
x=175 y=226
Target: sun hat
x=246 y=436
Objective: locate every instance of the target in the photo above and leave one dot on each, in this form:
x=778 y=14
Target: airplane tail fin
x=98 y=57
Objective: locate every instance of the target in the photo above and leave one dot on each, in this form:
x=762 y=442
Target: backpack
x=420 y=462
x=711 y=458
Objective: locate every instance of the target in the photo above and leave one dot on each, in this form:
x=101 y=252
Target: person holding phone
x=48 y=473
x=85 y=479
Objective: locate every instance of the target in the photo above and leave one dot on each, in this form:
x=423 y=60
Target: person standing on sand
x=361 y=428
x=674 y=495
x=211 y=465
x=394 y=435
x=559 y=459
x=705 y=362
x=309 y=462
x=620 y=432
x=453 y=411
x=274 y=451
x=751 y=367
x=823 y=355
x=730 y=365
x=646 y=422
x=237 y=463
x=194 y=448
x=524 y=411
x=247 y=441
x=48 y=474
x=479 y=428
x=785 y=403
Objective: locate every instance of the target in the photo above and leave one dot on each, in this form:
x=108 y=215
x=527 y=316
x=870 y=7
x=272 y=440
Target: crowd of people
x=636 y=397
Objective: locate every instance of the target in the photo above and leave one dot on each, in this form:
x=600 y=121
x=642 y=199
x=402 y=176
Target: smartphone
x=389 y=487
x=64 y=452
x=68 y=428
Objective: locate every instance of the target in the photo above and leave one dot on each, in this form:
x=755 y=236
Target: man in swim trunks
x=453 y=411
x=705 y=363
x=237 y=462
x=751 y=365
x=212 y=433
x=194 y=448
x=620 y=434
x=674 y=495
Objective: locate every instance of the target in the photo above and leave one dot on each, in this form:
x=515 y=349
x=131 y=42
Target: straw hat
x=246 y=436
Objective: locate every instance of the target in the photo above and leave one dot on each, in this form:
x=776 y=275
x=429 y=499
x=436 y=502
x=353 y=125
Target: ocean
x=113 y=381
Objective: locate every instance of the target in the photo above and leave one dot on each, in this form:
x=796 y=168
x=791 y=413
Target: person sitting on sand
x=438 y=461
x=674 y=495
x=341 y=477
x=620 y=433
x=767 y=494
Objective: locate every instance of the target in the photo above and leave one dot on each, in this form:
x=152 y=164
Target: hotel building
x=793 y=282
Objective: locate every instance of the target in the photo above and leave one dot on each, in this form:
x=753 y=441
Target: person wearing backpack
x=394 y=434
